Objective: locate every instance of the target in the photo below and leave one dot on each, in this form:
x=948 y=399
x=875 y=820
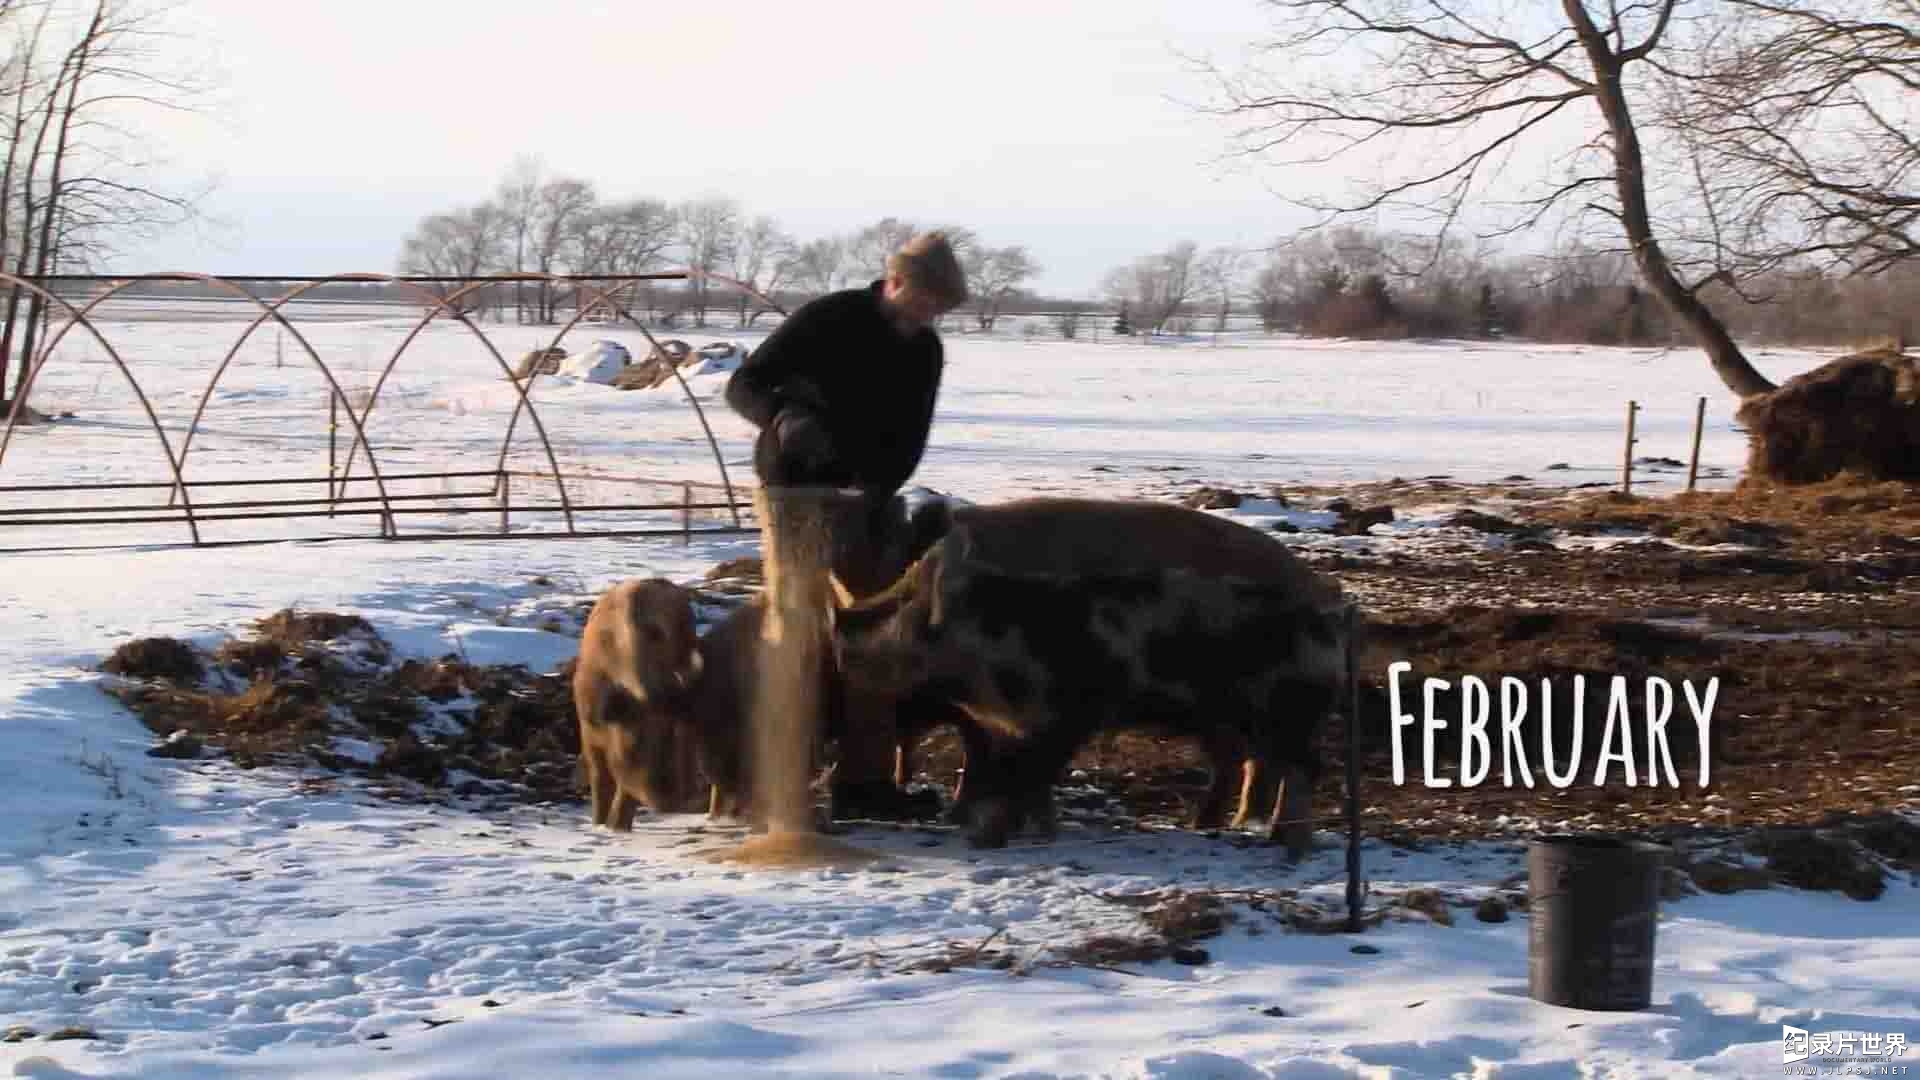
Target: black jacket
x=841 y=398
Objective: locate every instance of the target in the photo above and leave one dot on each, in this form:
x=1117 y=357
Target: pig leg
x=1040 y=811
x=601 y=785
x=1033 y=774
x=993 y=807
x=1228 y=755
x=1292 y=747
x=975 y=750
x=622 y=810
x=1257 y=793
x=634 y=784
x=1292 y=814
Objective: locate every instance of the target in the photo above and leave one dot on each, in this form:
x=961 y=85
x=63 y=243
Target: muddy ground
x=1804 y=606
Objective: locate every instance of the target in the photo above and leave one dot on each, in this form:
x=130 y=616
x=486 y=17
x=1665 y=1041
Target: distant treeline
x=1345 y=283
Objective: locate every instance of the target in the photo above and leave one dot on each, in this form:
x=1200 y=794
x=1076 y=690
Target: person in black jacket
x=843 y=392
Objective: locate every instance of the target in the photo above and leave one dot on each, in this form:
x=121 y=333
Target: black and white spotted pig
x=1041 y=662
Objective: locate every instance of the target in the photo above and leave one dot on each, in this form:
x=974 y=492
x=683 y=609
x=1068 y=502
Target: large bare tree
x=517 y=196
x=77 y=81
x=1219 y=270
x=709 y=236
x=1803 y=122
x=820 y=265
x=763 y=259
x=1155 y=287
x=994 y=275
x=629 y=237
x=869 y=249
x=1442 y=96
x=560 y=206
x=1712 y=140
x=463 y=243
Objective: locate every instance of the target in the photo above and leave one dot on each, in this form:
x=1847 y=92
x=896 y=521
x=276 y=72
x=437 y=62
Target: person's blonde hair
x=928 y=263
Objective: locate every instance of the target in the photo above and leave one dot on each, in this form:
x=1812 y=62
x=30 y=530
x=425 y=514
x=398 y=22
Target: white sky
x=1038 y=122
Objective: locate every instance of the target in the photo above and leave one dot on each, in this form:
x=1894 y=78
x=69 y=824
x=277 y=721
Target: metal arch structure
x=15 y=414
x=439 y=302
x=606 y=297
x=267 y=311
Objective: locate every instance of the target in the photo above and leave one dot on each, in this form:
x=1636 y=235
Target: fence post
x=686 y=514
x=1626 y=462
x=1355 y=889
x=333 y=428
x=505 y=483
x=1699 y=422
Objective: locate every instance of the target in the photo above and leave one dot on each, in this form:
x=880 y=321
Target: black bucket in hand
x=1592 y=904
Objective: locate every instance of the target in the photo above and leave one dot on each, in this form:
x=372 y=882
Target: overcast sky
x=1036 y=122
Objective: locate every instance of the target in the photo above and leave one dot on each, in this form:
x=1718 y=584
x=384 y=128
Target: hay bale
x=1859 y=414
x=165 y=658
x=644 y=375
x=295 y=628
x=540 y=362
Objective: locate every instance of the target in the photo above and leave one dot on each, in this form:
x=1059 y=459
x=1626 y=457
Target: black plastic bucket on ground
x=1593 y=900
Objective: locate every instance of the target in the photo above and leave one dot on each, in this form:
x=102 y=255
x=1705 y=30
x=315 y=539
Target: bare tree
x=1155 y=287
x=709 y=235
x=1444 y=95
x=634 y=238
x=764 y=259
x=993 y=276
x=517 y=197
x=819 y=266
x=1802 y=128
x=869 y=249
x=643 y=231
x=592 y=241
x=1273 y=292
x=463 y=243
x=1219 y=272
x=559 y=207
x=74 y=82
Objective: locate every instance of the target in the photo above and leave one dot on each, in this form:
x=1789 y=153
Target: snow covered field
x=1016 y=416
x=204 y=921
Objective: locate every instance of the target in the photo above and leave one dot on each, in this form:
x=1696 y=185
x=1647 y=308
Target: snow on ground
x=1016 y=416
x=205 y=921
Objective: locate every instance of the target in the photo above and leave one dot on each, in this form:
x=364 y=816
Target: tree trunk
x=1728 y=361
x=73 y=71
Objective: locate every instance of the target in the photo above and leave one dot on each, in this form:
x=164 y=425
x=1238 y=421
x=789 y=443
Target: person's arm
x=774 y=374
